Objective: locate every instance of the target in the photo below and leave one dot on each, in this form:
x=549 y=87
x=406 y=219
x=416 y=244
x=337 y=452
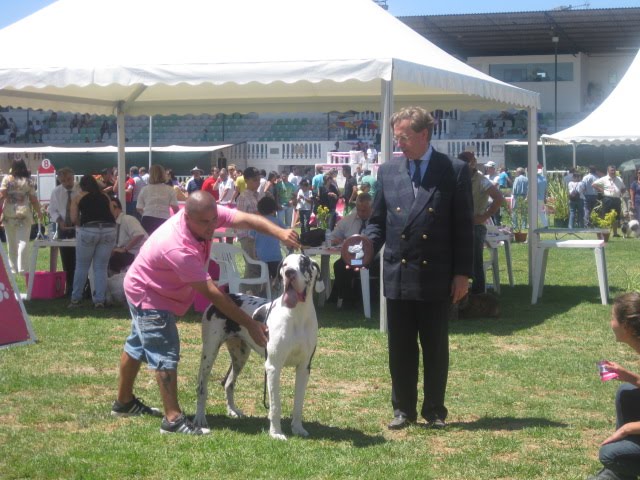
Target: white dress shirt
x=58 y=202
x=349 y=225
x=127 y=227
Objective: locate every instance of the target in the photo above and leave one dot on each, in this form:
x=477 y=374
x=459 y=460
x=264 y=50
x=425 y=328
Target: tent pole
x=532 y=172
x=575 y=162
x=386 y=147
x=150 y=139
x=544 y=154
x=122 y=166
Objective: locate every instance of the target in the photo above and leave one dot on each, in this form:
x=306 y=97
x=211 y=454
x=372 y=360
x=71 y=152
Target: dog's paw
x=299 y=431
x=277 y=435
x=235 y=412
x=200 y=420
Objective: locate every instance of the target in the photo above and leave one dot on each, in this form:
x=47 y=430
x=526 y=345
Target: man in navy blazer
x=423 y=215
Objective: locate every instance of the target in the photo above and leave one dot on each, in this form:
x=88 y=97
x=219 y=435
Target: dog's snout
x=289 y=273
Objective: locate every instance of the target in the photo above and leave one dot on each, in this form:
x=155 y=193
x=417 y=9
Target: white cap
x=490 y=164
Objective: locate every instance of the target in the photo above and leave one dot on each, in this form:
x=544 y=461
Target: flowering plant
x=322 y=217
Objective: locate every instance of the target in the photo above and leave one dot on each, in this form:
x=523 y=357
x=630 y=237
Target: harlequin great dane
x=293 y=333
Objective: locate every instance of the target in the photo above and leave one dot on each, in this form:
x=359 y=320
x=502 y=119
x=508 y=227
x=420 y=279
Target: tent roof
x=202 y=56
x=615 y=121
x=114 y=149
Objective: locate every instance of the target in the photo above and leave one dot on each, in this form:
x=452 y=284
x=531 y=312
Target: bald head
x=201 y=214
x=199 y=201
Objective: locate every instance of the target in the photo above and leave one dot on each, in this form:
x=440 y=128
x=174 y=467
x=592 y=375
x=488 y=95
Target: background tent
x=201 y=56
x=614 y=122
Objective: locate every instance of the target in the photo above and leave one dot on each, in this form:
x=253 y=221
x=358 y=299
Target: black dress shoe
x=399 y=422
x=436 y=423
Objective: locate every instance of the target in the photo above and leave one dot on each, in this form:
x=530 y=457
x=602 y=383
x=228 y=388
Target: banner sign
x=15 y=326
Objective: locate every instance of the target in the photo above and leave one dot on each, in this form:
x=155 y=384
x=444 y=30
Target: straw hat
x=196 y=169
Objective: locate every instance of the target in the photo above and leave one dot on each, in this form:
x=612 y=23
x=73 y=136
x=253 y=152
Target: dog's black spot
x=305 y=264
x=213 y=310
x=260 y=315
x=230 y=326
x=311 y=359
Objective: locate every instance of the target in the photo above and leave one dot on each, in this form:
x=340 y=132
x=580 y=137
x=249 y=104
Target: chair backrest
x=224 y=254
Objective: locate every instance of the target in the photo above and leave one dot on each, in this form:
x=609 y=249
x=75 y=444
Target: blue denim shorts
x=154 y=338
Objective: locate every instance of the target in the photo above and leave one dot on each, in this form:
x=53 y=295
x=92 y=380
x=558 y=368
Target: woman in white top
x=155 y=200
x=18 y=202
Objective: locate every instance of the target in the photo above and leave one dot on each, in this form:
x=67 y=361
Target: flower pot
x=520 y=237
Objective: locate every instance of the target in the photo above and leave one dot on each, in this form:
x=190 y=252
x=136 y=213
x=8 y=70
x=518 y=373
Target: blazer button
x=397 y=209
x=430 y=210
x=424 y=262
x=403 y=236
x=424 y=237
x=404 y=261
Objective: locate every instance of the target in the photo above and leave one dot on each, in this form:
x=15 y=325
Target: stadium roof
x=590 y=31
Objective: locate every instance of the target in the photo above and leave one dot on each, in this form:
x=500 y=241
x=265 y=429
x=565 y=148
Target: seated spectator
x=620 y=451
x=13 y=131
x=104 y=128
x=129 y=238
x=4 y=125
x=37 y=132
x=344 y=291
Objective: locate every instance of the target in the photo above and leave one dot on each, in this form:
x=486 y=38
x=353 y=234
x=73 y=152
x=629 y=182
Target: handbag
x=313 y=238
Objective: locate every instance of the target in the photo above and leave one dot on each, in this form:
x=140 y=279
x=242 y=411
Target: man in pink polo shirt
x=161 y=284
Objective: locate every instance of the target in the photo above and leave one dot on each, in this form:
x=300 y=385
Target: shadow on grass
x=517 y=313
x=317 y=431
x=507 y=423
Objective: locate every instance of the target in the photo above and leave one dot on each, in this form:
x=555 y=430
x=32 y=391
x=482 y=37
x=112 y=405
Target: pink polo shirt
x=168 y=262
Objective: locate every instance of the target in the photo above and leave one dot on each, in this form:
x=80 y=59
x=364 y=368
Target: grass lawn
x=524 y=396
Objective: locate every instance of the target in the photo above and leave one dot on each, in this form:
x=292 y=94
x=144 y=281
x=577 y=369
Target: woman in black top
x=93 y=215
x=328 y=197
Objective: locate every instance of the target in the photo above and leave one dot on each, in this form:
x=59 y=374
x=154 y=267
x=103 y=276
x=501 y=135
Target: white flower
x=4 y=293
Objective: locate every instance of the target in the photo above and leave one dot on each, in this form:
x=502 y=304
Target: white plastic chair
x=225 y=255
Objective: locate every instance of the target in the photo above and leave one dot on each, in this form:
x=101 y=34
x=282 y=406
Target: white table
x=54 y=245
x=541 y=254
x=494 y=239
x=325 y=274
x=325 y=268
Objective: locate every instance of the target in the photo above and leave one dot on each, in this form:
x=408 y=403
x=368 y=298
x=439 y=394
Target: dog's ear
x=319 y=287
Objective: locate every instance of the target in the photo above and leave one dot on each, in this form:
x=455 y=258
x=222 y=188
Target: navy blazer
x=428 y=239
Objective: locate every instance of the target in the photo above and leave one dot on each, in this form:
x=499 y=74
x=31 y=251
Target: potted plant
x=558 y=202
x=520 y=219
x=605 y=221
x=322 y=217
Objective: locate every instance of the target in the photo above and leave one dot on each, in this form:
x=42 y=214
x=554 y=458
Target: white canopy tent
x=201 y=56
x=614 y=122
x=198 y=56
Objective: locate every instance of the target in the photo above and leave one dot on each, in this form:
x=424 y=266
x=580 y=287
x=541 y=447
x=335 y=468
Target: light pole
x=555 y=39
